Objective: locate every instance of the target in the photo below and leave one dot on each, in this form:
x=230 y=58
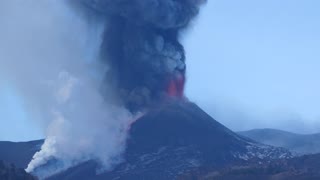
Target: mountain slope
x=10 y=172
x=19 y=153
x=300 y=143
x=299 y=168
x=173 y=139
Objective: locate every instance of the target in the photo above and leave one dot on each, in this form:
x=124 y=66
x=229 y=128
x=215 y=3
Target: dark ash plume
x=142 y=63
x=141 y=45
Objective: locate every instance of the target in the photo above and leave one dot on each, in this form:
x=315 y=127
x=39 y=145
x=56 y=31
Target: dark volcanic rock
x=173 y=139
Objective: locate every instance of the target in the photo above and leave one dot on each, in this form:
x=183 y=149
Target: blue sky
x=251 y=64
x=15 y=124
x=256 y=63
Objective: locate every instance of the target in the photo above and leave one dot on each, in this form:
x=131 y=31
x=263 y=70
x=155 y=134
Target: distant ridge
x=299 y=143
x=19 y=153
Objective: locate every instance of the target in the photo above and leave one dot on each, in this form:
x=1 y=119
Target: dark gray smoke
x=58 y=54
x=141 y=44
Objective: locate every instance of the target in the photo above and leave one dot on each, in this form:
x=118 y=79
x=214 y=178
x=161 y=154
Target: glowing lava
x=176 y=86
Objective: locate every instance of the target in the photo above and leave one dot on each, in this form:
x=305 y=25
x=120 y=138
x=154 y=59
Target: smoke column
x=142 y=47
x=87 y=68
x=49 y=52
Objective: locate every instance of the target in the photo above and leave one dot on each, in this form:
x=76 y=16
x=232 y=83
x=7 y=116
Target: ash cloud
x=87 y=68
x=142 y=47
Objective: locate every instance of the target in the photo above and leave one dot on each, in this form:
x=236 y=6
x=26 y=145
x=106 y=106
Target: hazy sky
x=251 y=64
x=14 y=124
x=256 y=63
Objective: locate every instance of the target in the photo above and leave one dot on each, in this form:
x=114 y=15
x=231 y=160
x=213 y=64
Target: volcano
x=171 y=140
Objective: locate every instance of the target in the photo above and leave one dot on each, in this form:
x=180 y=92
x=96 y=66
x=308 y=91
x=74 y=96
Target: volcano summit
x=173 y=139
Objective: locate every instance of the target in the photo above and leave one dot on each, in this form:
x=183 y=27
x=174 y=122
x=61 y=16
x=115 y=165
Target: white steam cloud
x=49 y=52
